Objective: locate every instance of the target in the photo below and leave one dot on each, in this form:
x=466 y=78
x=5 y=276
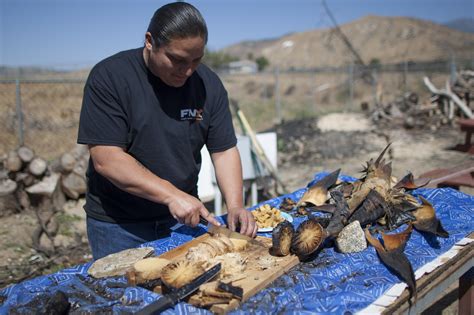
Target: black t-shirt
x=163 y=127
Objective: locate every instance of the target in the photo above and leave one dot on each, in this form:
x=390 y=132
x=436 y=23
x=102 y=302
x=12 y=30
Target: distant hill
x=464 y=25
x=386 y=40
x=382 y=39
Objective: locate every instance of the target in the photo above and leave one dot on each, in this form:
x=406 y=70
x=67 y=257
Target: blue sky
x=79 y=33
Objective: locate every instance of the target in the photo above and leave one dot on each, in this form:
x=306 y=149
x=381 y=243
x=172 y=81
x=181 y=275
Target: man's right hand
x=187 y=209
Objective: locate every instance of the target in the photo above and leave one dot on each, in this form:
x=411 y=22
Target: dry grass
x=51 y=114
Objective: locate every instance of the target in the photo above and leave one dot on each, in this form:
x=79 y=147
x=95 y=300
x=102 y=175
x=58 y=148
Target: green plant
x=262 y=63
x=64 y=221
x=217 y=60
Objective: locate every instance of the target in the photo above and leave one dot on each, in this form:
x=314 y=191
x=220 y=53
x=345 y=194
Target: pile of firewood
x=442 y=108
x=406 y=111
x=29 y=182
x=463 y=86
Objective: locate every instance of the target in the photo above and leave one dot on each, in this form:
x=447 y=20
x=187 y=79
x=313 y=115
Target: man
x=145 y=116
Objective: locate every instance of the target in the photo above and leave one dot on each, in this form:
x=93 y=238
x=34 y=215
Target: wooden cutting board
x=262 y=268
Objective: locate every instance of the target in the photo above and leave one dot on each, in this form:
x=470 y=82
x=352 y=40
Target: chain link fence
x=273 y=97
x=44 y=114
x=40 y=114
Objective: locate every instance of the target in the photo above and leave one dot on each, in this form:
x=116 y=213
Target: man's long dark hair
x=176 y=20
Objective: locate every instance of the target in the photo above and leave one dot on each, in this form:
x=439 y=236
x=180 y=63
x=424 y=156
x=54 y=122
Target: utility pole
x=366 y=75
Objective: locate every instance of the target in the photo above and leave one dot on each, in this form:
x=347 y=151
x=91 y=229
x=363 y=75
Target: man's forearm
x=130 y=175
x=228 y=171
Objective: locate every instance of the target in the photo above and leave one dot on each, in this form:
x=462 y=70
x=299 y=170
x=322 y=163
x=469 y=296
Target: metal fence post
x=452 y=77
x=405 y=76
x=19 y=113
x=351 y=84
x=277 y=95
x=374 y=85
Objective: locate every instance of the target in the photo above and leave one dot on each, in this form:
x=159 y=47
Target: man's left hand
x=243 y=218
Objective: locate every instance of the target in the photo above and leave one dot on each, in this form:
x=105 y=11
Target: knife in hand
x=169 y=300
x=222 y=230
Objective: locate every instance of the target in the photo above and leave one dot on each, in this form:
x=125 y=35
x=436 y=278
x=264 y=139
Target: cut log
x=26 y=178
x=46 y=187
x=3 y=174
x=13 y=162
x=68 y=161
x=73 y=185
x=26 y=154
x=37 y=166
x=24 y=202
x=8 y=201
x=80 y=168
x=7 y=187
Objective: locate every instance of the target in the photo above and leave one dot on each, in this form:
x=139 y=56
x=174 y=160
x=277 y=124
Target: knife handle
x=156 y=307
x=203 y=221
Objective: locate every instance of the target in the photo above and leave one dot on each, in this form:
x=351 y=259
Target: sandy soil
x=351 y=141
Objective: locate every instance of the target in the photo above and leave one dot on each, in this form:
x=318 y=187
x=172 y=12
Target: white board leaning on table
x=207 y=186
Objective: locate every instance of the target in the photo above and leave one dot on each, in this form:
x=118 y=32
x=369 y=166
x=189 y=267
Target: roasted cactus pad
x=281 y=238
x=307 y=239
x=180 y=273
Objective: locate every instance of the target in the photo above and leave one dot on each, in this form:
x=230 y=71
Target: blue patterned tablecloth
x=332 y=283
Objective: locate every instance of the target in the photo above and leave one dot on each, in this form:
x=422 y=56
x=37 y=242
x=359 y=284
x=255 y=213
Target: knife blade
x=222 y=230
x=169 y=300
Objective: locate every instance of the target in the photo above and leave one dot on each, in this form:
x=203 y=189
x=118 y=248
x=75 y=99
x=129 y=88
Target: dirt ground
x=306 y=147
x=347 y=141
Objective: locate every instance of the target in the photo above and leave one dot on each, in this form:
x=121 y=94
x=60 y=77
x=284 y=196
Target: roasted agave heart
x=281 y=238
x=179 y=273
x=307 y=239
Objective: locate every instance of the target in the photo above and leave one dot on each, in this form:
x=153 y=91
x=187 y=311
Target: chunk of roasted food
x=215 y=246
x=179 y=273
x=146 y=269
x=266 y=216
x=281 y=238
x=307 y=238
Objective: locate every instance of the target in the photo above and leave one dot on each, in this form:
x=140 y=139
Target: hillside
x=387 y=39
x=464 y=25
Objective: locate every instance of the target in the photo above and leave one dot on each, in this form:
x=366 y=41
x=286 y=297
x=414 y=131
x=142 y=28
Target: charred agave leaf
x=426 y=220
x=378 y=169
x=378 y=176
x=347 y=189
x=321 y=220
x=397 y=218
x=287 y=205
x=302 y=210
x=327 y=208
x=307 y=239
x=336 y=223
x=392 y=255
x=408 y=183
x=373 y=208
x=317 y=194
x=405 y=203
x=281 y=238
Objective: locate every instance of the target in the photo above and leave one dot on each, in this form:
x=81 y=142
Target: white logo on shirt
x=191 y=114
